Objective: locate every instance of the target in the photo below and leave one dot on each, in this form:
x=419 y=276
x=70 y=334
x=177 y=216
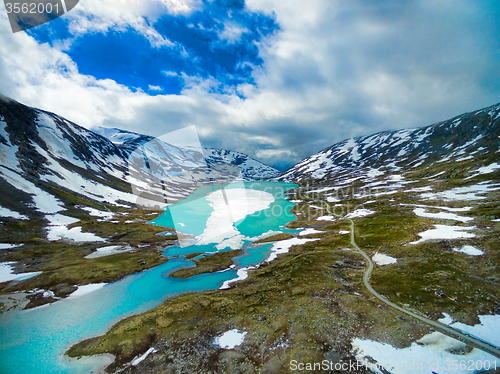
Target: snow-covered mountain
x=250 y=168
x=467 y=144
x=48 y=163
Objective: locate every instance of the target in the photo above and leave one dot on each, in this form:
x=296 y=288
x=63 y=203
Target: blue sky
x=278 y=80
x=199 y=48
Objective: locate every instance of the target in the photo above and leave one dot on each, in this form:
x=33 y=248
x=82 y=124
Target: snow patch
x=486 y=330
x=86 y=289
x=136 y=361
x=487 y=169
x=75 y=234
x=242 y=275
x=432 y=348
x=360 y=213
x=284 y=246
x=381 y=259
x=4 y=212
x=7 y=273
x=445 y=232
x=310 y=231
x=97 y=213
x=325 y=218
x=9 y=246
x=420 y=212
x=469 y=250
x=230 y=339
x=108 y=251
x=462 y=193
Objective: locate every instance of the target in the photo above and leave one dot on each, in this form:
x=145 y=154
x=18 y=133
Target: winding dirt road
x=445 y=329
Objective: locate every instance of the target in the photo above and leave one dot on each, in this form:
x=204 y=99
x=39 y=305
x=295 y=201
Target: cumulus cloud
x=335 y=69
x=104 y=15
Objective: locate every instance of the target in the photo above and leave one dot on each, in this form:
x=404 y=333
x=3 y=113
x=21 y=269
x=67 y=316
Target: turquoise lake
x=34 y=341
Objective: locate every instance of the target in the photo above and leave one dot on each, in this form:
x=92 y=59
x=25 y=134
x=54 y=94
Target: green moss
x=296 y=298
x=63 y=262
x=274 y=238
x=192 y=255
x=208 y=264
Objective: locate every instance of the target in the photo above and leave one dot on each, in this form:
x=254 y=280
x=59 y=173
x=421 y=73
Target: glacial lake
x=34 y=341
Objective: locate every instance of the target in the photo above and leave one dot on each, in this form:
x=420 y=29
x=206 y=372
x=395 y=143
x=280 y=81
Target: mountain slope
x=251 y=169
x=471 y=136
x=71 y=196
x=44 y=157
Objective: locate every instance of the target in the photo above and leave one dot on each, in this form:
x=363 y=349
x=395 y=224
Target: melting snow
x=464 y=209
x=420 y=189
x=75 y=234
x=9 y=246
x=486 y=330
x=381 y=259
x=242 y=275
x=325 y=218
x=324 y=189
x=441 y=215
x=108 y=251
x=284 y=246
x=98 y=213
x=230 y=339
x=86 y=289
x=469 y=250
x=4 y=212
x=220 y=225
x=462 y=193
x=445 y=232
x=332 y=199
x=360 y=213
x=487 y=169
x=136 y=361
x=7 y=273
x=310 y=231
x=431 y=349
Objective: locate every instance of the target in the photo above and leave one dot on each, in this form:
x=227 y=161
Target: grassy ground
x=310 y=303
x=63 y=263
x=208 y=264
x=274 y=238
x=297 y=307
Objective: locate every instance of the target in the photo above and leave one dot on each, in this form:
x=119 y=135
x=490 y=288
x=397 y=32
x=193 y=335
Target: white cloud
x=155 y=88
x=232 y=32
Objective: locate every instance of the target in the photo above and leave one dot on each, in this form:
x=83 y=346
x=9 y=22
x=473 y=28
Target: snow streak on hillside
x=466 y=137
x=47 y=162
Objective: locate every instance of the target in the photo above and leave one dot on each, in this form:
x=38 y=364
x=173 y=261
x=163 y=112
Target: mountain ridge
x=44 y=157
x=388 y=151
x=250 y=168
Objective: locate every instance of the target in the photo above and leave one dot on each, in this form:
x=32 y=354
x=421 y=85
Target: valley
x=286 y=273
